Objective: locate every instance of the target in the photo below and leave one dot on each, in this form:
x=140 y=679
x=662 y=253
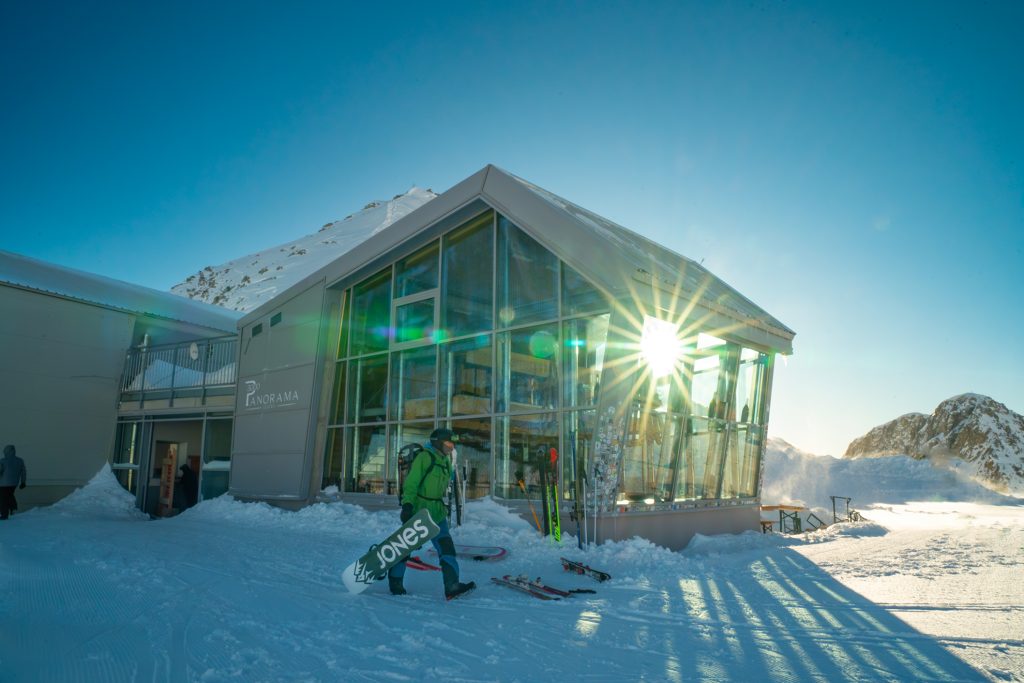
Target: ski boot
x=458 y=589
x=453 y=588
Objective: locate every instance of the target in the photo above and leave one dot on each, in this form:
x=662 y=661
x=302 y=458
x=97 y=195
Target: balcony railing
x=187 y=374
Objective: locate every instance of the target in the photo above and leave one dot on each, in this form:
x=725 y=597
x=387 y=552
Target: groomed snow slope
x=229 y=591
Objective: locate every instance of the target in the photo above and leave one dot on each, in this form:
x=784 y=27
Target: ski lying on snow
x=523 y=585
x=480 y=553
x=580 y=568
x=537 y=588
x=540 y=585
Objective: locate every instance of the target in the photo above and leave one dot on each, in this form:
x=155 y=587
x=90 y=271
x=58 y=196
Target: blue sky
x=854 y=168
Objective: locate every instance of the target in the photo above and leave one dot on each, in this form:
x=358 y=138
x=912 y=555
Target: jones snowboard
x=374 y=565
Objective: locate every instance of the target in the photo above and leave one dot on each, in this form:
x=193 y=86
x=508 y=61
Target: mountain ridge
x=244 y=283
x=969 y=432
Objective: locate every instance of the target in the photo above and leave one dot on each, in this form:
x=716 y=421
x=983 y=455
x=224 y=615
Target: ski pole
x=576 y=486
x=536 y=521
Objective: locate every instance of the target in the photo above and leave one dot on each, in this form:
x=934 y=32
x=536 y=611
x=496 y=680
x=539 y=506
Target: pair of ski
x=536 y=587
x=547 y=463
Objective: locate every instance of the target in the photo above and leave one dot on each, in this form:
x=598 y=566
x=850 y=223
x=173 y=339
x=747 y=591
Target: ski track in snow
x=245 y=592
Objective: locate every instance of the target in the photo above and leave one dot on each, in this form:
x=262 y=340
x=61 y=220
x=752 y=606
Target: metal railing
x=193 y=369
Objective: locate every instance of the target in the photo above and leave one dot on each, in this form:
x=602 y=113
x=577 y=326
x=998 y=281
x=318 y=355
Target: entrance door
x=160 y=485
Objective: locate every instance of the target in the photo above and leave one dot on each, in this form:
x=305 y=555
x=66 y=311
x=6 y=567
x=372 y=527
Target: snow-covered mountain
x=247 y=282
x=970 y=433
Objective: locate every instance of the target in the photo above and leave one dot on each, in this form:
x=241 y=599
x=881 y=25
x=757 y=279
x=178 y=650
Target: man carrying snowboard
x=424 y=488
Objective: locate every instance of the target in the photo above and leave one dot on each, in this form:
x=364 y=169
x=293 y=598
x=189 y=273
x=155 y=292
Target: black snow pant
x=8 y=504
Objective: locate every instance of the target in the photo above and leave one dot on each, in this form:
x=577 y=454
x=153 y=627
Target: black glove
x=406 y=512
x=22 y=486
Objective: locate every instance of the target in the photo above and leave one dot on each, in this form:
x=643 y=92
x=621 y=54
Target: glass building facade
x=486 y=331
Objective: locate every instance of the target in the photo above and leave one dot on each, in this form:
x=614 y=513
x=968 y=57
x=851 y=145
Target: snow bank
x=732 y=544
x=103 y=496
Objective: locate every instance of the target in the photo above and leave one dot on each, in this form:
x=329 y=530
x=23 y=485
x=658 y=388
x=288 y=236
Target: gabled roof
x=28 y=273
x=616 y=259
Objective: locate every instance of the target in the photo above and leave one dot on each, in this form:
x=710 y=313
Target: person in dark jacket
x=424 y=489
x=12 y=473
x=189 y=486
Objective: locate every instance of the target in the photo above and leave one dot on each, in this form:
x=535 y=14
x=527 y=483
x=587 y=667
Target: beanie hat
x=442 y=434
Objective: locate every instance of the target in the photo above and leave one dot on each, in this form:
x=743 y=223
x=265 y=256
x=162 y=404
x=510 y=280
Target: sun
x=660 y=346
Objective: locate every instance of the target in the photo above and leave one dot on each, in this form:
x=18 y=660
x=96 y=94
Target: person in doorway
x=189 y=485
x=424 y=489
x=12 y=474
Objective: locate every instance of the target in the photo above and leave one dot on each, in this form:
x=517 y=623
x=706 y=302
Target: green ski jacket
x=426 y=483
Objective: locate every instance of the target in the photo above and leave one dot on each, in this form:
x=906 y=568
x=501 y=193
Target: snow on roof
x=40 y=276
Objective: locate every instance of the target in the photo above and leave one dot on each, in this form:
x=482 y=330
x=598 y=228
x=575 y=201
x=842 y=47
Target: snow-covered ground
x=94 y=591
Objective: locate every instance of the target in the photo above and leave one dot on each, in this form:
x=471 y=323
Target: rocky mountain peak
x=969 y=432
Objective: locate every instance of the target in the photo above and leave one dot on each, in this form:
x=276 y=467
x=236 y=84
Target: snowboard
x=374 y=565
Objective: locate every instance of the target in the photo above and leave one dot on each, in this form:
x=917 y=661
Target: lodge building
x=518 y=319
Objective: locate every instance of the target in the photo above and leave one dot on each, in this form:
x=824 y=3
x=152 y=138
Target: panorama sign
x=256 y=399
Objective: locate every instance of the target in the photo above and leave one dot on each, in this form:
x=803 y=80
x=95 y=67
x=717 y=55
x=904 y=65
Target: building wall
x=274 y=407
x=60 y=367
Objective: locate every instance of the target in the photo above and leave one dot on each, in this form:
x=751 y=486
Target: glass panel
x=417 y=273
x=128 y=445
x=367 y=460
x=468 y=296
x=333 y=458
x=371 y=313
x=732 y=473
x=579 y=296
x=220 y=363
x=188 y=365
x=578 y=433
x=583 y=358
x=159 y=369
x=703 y=458
x=521 y=440
x=474 y=460
x=345 y=325
x=218 y=441
x=750 y=467
x=694 y=465
x=414 y=321
x=414 y=383
x=338 y=394
x=528 y=367
x=749 y=381
x=214 y=482
x=466 y=376
x=128 y=477
x=527 y=278
x=705 y=384
x=648 y=457
x=368 y=389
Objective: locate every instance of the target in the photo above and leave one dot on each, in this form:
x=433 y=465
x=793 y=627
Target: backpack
x=406 y=454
